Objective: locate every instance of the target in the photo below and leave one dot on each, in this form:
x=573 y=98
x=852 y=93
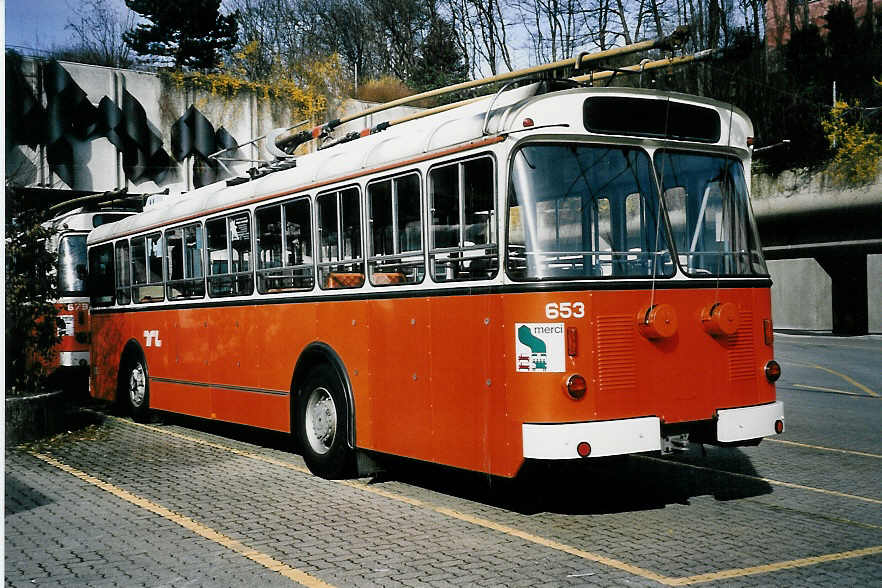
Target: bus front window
x=72 y=266
x=706 y=199
x=579 y=211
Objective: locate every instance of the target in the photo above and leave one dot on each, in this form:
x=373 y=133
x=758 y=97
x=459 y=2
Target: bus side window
x=463 y=221
x=341 y=264
x=123 y=273
x=396 y=247
x=284 y=247
x=147 y=268
x=229 y=256
x=101 y=275
x=297 y=256
x=269 y=247
x=183 y=248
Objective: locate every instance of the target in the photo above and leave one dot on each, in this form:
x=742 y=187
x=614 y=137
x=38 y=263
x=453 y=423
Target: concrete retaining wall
x=874 y=292
x=802 y=290
x=98 y=163
x=33 y=417
x=801 y=293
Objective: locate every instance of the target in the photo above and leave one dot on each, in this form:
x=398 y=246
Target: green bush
x=31 y=329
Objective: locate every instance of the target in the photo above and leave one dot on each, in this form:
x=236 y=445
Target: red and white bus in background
x=545 y=275
x=69 y=241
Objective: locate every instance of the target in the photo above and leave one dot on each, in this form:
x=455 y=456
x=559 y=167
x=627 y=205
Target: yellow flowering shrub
x=857 y=150
x=308 y=89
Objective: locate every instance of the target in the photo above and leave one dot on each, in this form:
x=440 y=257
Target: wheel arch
x=318 y=353
x=132 y=349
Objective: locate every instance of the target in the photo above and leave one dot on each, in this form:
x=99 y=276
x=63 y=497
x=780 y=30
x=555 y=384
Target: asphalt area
x=184 y=502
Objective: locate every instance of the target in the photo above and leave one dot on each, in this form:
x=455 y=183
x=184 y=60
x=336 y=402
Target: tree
x=97 y=29
x=183 y=33
x=31 y=330
x=439 y=62
x=480 y=30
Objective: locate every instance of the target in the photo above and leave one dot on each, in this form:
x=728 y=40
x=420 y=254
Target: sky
x=39 y=24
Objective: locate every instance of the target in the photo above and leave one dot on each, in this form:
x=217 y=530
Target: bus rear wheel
x=136 y=389
x=322 y=425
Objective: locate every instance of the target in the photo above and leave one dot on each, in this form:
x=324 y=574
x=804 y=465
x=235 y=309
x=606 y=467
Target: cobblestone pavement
x=181 y=502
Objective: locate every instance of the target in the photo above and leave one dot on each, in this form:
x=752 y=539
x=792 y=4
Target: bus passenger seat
x=344 y=280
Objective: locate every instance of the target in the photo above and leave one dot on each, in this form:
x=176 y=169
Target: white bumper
x=559 y=441
x=620 y=437
x=73 y=358
x=750 y=422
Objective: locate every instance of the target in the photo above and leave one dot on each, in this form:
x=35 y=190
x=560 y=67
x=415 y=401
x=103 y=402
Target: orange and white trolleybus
x=540 y=275
x=69 y=242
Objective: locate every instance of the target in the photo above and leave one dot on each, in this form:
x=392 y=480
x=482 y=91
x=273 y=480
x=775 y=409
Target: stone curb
x=35 y=416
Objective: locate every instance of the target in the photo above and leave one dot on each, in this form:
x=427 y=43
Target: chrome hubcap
x=137 y=385
x=321 y=420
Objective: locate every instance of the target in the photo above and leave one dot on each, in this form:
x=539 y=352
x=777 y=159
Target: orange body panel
x=434 y=378
x=74 y=336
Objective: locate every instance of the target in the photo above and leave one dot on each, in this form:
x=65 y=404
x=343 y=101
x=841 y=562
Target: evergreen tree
x=439 y=61
x=182 y=33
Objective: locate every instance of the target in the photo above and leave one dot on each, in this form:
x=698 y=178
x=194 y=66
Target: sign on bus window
x=184 y=248
x=284 y=247
x=463 y=221
x=228 y=242
x=341 y=264
x=396 y=244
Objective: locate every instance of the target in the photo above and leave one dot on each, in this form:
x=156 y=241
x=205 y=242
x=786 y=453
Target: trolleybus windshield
x=72 y=265
x=706 y=200
x=578 y=211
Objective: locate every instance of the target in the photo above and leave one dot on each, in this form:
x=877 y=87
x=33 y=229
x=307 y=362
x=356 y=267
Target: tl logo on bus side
x=151 y=337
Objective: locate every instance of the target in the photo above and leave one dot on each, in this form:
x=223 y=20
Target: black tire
x=135 y=388
x=322 y=425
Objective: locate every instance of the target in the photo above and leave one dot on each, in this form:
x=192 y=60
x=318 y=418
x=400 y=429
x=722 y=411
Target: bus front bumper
x=620 y=437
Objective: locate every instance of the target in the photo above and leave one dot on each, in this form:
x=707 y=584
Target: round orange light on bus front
x=773 y=371
x=779 y=426
x=658 y=321
x=720 y=319
x=583 y=449
x=576 y=386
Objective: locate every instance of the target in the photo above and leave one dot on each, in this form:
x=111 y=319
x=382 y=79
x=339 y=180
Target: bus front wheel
x=322 y=423
x=137 y=389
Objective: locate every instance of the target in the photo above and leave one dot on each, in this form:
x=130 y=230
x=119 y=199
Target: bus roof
x=406 y=142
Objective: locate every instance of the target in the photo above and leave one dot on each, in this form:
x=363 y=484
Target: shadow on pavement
x=600 y=486
x=603 y=486
x=20 y=497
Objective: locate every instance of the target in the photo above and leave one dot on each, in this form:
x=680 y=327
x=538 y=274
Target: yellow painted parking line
x=848 y=379
x=821 y=447
x=761 y=479
x=776 y=567
x=513 y=532
x=550 y=543
x=227 y=448
x=266 y=561
x=822 y=389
